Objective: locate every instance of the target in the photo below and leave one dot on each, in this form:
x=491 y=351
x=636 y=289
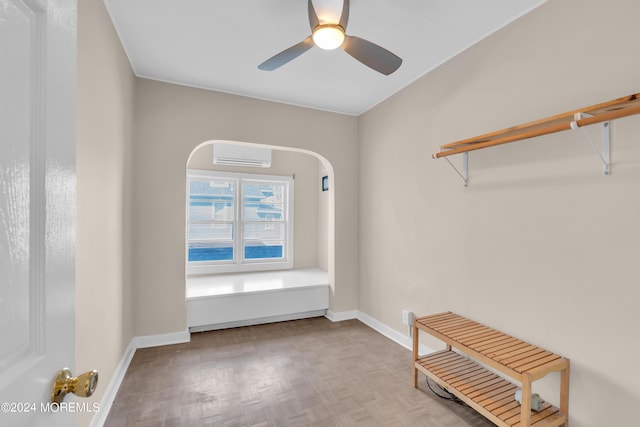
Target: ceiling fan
x=333 y=35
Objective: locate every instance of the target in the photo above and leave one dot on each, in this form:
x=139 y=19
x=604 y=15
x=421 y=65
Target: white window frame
x=239 y=264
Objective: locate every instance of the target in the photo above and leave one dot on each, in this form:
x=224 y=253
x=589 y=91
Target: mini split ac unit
x=241 y=155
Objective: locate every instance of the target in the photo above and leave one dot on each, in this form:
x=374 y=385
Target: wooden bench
x=480 y=388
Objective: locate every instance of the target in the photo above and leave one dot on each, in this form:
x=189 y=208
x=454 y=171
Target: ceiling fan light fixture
x=332 y=36
x=328 y=36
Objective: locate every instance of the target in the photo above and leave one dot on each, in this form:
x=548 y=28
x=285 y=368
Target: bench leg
x=564 y=394
x=415 y=356
x=525 y=407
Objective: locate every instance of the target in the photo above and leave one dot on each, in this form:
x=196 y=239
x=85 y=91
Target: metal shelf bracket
x=605 y=153
x=465 y=168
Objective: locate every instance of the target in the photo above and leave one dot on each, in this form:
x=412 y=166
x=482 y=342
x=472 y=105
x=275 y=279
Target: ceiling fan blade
x=372 y=55
x=287 y=55
x=314 y=21
x=344 y=18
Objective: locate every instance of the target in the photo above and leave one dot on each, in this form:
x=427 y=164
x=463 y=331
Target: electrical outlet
x=407 y=317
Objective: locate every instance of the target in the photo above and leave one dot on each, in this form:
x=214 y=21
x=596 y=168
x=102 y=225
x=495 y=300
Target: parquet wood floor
x=310 y=372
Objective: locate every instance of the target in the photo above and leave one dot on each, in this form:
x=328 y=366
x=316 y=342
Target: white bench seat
x=232 y=300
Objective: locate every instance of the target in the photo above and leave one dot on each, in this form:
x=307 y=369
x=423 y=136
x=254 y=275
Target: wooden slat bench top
x=501 y=351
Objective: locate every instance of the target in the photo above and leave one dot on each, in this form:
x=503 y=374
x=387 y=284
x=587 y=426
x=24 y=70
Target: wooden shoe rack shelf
x=488 y=393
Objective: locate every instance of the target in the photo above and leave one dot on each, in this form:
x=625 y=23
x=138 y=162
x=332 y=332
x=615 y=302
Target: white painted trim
x=385 y=330
x=259 y=321
x=121 y=370
x=162 y=339
x=114 y=385
x=342 y=315
x=404 y=340
x=398 y=337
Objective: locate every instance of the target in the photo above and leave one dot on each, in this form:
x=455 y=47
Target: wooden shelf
x=599 y=113
x=483 y=390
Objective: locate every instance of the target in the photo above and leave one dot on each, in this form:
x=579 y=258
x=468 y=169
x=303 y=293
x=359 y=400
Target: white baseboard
x=398 y=337
x=261 y=321
x=404 y=340
x=162 y=339
x=118 y=375
x=342 y=315
x=385 y=330
x=114 y=385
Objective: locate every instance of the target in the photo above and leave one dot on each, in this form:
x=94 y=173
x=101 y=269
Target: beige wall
x=325 y=209
x=306 y=194
x=104 y=322
x=170 y=122
x=540 y=245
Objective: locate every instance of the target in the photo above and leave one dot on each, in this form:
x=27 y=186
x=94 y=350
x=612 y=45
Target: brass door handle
x=82 y=386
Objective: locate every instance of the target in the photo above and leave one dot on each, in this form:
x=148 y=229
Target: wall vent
x=241 y=155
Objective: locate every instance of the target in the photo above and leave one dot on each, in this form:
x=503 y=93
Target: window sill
x=211 y=286
x=248 y=268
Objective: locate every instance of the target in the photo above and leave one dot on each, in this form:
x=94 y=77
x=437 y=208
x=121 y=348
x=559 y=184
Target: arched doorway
x=313 y=245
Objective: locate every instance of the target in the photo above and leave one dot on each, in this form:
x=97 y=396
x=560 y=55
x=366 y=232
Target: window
x=238 y=222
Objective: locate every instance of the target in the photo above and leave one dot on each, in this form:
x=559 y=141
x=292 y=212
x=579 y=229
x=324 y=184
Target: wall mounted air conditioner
x=241 y=155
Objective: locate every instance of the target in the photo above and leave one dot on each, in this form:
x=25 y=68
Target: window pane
x=210 y=242
x=267 y=191
x=211 y=200
x=263 y=241
x=209 y=210
x=263 y=201
x=210 y=252
x=265 y=251
x=263 y=212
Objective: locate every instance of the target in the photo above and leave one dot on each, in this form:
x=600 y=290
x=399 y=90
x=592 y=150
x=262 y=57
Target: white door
x=37 y=206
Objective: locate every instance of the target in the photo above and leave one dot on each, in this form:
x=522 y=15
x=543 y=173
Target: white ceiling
x=217 y=45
